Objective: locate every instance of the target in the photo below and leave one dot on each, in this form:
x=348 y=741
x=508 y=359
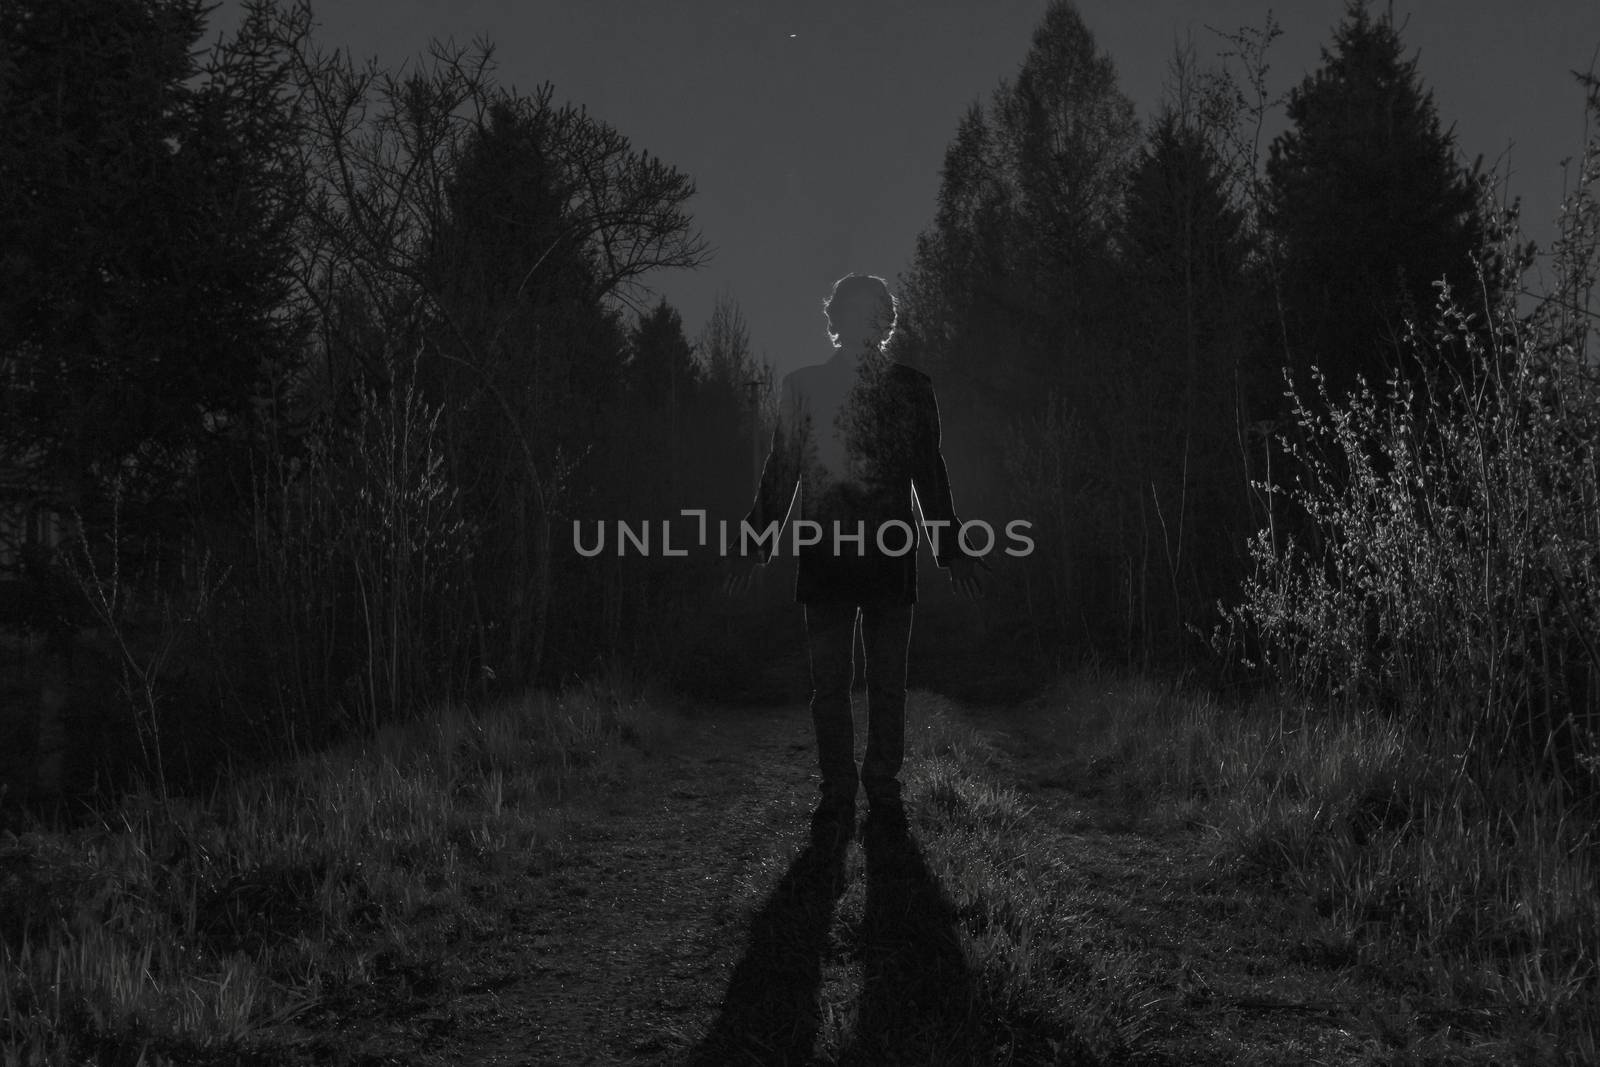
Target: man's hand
x=964 y=577
x=741 y=575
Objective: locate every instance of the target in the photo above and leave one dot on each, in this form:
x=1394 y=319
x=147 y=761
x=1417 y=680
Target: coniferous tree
x=661 y=363
x=1368 y=208
x=663 y=385
x=1007 y=300
x=148 y=191
x=736 y=398
x=1185 y=247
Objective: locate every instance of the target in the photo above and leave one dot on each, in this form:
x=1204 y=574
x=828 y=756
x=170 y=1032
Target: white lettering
x=1011 y=532
x=910 y=542
x=641 y=540
x=666 y=540
x=577 y=541
x=966 y=542
x=859 y=537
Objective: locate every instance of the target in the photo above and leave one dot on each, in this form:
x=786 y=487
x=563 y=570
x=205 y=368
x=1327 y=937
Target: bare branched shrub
x=361 y=556
x=506 y=230
x=1456 y=569
x=147 y=626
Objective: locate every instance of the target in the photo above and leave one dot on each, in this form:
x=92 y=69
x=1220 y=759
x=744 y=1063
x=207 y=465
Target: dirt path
x=629 y=938
x=620 y=949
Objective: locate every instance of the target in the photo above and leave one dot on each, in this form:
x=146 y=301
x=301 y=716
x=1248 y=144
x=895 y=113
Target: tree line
x=1111 y=307
x=308 y=366
x=1283 y=410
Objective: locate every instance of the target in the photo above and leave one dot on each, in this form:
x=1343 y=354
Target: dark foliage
x=146 y=201
x=1368 y=209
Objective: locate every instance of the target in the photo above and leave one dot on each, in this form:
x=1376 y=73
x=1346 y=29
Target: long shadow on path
x=919 y=1000
x=920 y=1003
x=770 y=1014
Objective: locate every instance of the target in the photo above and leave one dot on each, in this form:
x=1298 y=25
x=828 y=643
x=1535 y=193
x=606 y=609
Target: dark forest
x=315 y=376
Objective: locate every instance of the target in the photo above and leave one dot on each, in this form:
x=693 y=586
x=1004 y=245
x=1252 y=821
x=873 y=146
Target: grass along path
x=684 y=920
x=1109 y=875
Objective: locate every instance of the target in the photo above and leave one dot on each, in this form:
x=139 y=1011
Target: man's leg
x=886 y=633
x=830 y=639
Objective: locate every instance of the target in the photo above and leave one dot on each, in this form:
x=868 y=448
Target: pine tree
x=1014 y=305
x=1368 y=208
x=147 y=196
x=661 y=364
x=1008 y=294
x=1185 y=246
x=737 y=404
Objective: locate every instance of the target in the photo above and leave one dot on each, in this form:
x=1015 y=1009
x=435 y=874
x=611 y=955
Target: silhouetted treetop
x=1367 y=204
x=147 y=197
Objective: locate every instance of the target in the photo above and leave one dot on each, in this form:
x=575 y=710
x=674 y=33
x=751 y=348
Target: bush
x=1449 y=564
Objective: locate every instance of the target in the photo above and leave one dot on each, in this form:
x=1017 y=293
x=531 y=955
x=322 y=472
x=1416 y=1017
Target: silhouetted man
x=855 y=435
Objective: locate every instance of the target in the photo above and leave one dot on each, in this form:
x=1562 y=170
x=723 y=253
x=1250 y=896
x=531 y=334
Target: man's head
x=860 y=312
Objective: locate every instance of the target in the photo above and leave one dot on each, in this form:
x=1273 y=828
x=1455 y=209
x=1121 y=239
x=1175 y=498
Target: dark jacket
x=855 y=454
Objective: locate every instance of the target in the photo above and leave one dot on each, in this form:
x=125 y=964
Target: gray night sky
x=817 y=154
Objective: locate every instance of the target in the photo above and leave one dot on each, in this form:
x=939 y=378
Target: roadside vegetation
x=1416 y=764
x=1096 y=876
x=1278 y=454
x=1468 y=904
x=222 y=927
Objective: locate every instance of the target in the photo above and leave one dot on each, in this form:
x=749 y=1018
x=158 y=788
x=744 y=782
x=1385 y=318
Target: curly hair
x=861 y=299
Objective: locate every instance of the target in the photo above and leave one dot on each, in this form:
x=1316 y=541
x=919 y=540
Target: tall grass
x=203 y=926
x=1480 y=896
